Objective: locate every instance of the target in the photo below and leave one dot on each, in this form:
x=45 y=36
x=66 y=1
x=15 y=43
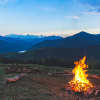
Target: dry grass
x=36 y=86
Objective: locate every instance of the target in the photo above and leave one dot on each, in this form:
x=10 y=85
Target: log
x=94 y=76
x=23 y=71
x=17 y=71
x=53 y=74
x=35 y=70
x=16 y=78
x=59 y=74
x=68 y=72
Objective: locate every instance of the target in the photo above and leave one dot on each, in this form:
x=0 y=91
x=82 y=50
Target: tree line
x=50 y=61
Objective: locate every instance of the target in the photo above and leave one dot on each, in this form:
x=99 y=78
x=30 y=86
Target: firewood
x=17 y=71
x=68 y=72
x=59 y=74
x=23 y=71
x=89 y=75
x=62 y=74
x=15 y=78
x=35 y=70
x=10 y=71
x=93 y=76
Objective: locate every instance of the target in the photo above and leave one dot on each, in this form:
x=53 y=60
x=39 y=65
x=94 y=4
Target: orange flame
x=80 y=81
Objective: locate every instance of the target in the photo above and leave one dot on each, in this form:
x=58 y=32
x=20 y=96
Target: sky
x=49 y=17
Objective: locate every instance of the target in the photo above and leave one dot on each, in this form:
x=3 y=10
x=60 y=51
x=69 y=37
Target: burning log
x=16 y=78
x=80 y=85
x=89 y=75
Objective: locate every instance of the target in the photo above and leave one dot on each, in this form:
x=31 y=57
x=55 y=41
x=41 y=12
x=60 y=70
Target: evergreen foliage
x=45 y=61
x=50 y=61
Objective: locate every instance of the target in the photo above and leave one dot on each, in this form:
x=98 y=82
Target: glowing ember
x=80 y=83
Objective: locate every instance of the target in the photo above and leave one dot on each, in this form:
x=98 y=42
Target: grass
x=37 y=86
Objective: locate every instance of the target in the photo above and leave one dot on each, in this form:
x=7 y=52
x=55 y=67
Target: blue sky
x=49 y=17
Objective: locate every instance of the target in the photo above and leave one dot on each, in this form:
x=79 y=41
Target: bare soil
x=38 y=87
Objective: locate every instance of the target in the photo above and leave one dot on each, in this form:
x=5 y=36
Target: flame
x=80 y=81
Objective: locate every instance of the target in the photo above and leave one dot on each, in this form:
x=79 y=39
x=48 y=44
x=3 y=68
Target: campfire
x=80 y=81
x=80 y=85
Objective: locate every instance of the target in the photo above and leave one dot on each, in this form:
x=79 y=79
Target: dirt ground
x=56 y=87
x=38 y=86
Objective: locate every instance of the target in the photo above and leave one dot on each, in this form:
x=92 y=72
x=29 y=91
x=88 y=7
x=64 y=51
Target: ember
x=80 y=82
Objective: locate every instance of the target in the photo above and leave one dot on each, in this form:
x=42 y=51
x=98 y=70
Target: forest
x=50 y=61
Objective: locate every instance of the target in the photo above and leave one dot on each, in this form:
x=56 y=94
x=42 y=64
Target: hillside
x=24 y=44
x=8 y=47
x=81 y=39
x=9 y=44
x=8 y=39
x=38 y=40
x=17 y=41
x=70 y=53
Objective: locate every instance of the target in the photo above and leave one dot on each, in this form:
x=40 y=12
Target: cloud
x=72 y=17
x=3 y=1
x=95 y=4
x=44 y=8
x=95 y=10
x=91 y=10
x=98 y=10
x=90 y=13
x=6 y=1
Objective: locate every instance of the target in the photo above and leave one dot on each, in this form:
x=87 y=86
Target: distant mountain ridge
x=8 y=39
x=16 y=41
x=9 y=44
x=23 y=36
x=81 y=39
x=71 y=48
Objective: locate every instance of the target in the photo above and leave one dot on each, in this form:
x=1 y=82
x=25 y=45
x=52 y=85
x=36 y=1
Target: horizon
x=40 y=36
x=52 y=17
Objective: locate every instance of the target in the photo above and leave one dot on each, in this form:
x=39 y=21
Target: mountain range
x=9 y=44
x=81 y=39
x=23 y=36
x=72 y=47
